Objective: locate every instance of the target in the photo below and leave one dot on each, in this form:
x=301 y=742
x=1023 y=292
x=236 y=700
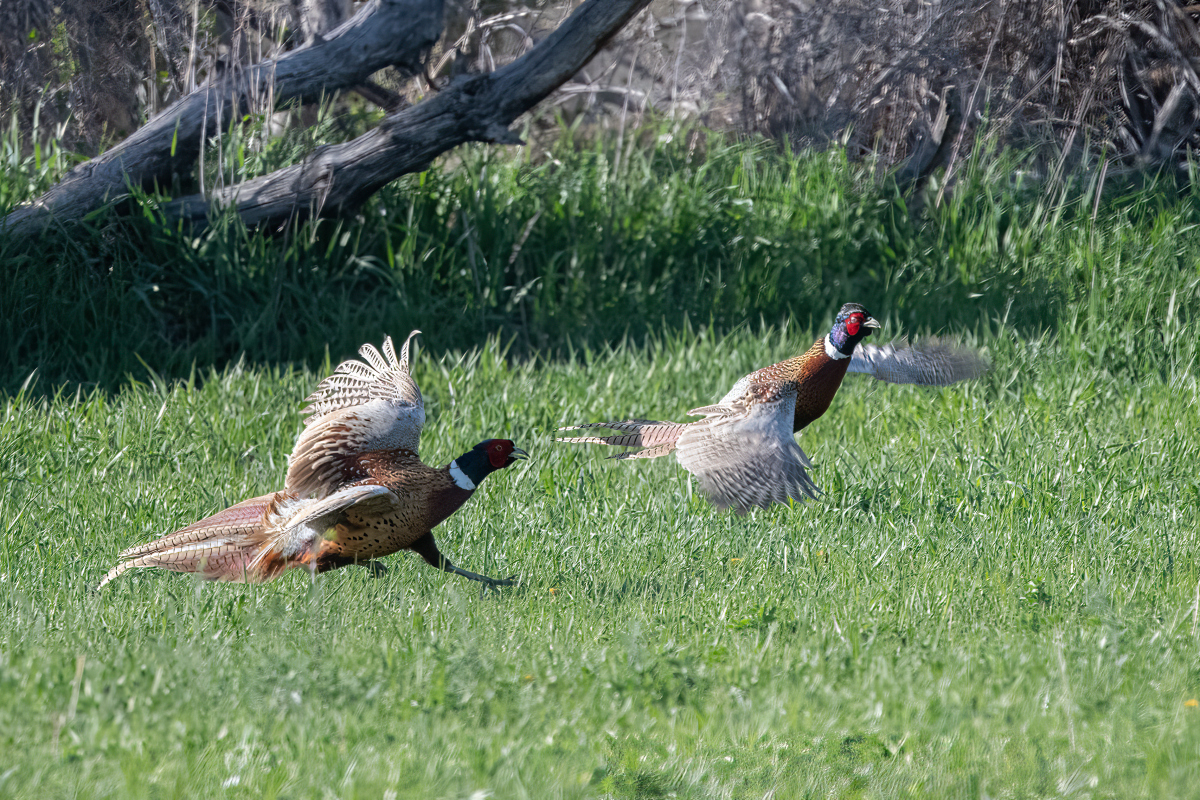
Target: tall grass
x=28 y=167
x=574 y=248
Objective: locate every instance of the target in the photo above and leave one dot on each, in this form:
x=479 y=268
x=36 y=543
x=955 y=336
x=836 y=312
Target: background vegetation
x=1090 y=82
x=596 y=240
x=997 y=595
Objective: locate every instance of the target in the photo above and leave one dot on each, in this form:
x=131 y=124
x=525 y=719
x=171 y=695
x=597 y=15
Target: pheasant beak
x=871 y=322
x=518 y=453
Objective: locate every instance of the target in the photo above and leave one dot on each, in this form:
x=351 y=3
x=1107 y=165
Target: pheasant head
x=852 y=325
x=469 y=469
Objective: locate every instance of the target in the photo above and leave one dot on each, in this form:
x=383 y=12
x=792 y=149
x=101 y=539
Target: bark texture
x=384 y=32
x=337 y=179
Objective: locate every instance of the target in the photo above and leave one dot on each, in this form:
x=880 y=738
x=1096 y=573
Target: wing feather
x=374 y=405
x=744 y=456
x=304 y=531
x=930 y=362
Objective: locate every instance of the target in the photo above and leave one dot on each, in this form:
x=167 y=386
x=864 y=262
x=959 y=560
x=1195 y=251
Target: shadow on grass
x=571 y=252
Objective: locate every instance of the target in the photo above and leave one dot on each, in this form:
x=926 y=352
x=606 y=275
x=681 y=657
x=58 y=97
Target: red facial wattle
x=853 y=324
x=498 y=452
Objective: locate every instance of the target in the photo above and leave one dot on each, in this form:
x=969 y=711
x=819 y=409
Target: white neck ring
x=832 y=351
x=460 y=478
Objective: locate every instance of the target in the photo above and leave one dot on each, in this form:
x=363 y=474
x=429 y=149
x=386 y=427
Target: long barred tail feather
x=245 y=515
x=654 y=438
x=220 y=547
x=224 y=561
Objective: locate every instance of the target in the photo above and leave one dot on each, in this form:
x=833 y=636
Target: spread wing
x=930 y=362
x=374 y=405
x=303 y=532
x=744 y=455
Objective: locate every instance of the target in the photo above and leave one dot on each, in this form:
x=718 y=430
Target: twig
x=962 y=132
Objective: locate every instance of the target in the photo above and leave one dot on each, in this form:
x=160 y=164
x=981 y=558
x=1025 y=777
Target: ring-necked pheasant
x=355 y=488
x=743 y=452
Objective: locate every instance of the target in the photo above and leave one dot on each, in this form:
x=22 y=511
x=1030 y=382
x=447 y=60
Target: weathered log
x=336 y=179
x=384 y=32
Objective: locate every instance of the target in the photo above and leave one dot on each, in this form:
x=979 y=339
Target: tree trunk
x=336 y=179
x=384 y=32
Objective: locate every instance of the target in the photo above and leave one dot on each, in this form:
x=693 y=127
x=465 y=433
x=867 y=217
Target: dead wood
x=383 y=33
x=336 y=179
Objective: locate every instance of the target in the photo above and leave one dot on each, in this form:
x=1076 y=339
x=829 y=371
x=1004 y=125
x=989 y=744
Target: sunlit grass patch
x=996 y=593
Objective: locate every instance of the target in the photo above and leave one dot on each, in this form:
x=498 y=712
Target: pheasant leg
x=427 y=549
x=377 y=569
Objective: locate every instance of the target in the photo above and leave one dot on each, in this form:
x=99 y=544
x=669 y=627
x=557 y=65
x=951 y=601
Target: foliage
x=1081 y=82
x=1093 y=82
x=28 y=171
x=594 y=243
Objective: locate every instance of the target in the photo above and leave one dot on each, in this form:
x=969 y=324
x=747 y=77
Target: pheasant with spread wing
x=355 y=489
x=743 y=452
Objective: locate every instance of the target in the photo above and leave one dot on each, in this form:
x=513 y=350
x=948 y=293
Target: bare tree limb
x=336 y=179
x=384 y=32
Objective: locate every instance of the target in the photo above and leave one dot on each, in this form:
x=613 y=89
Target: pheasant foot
x=377 y=569
x=426 y=548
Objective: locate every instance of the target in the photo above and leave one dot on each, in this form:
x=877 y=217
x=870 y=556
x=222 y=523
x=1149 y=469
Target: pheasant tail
x=654 y=438
x=220 y=547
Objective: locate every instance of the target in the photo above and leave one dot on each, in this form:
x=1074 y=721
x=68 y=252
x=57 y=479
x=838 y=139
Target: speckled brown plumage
x=424 y=498
x=743 y=452
x=812 y=375
x=346 y=500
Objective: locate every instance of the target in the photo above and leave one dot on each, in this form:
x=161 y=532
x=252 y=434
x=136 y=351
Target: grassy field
x=997 y=596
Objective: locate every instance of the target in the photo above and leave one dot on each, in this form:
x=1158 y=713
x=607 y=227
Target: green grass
x=582 y=247
x=997 y=595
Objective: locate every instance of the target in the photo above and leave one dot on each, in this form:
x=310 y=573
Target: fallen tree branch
x=336 y=179
x=384 y=32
